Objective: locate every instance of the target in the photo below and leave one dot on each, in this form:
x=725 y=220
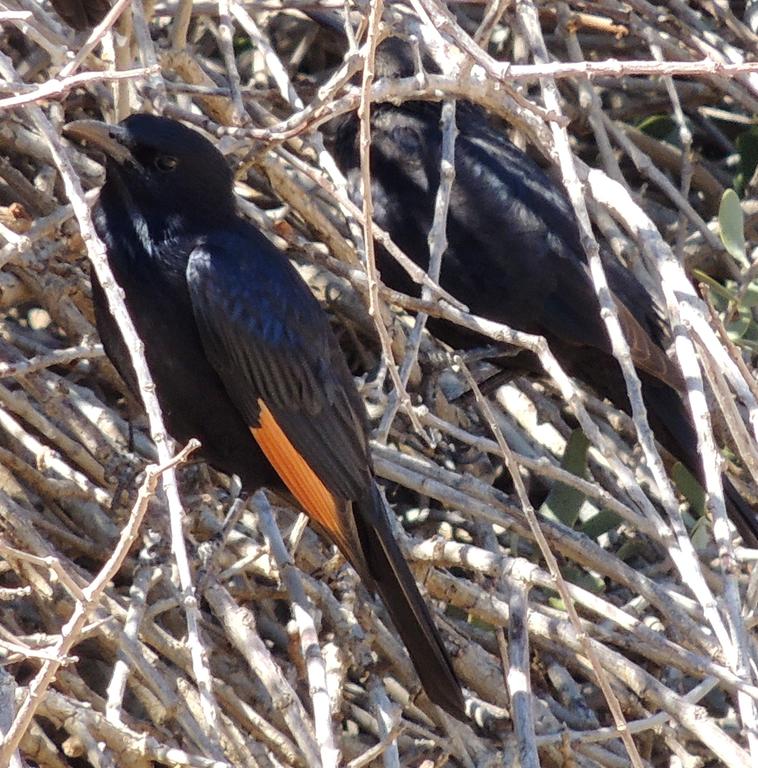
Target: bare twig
x=86 y=602
x=309 y=645
x=364 y=115
x=71 y=446
x=58 y=87
x=437 y=246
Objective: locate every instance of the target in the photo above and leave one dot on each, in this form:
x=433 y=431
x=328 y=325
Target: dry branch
x=632 y=645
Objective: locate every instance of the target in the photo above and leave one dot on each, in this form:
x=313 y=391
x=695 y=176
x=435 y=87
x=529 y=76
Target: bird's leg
x=209 y=551
x=239 y=499
x=490 y=384
x=511 y=362
x=133 y=411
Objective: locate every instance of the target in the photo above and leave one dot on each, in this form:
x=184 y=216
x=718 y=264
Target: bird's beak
x=109 y=139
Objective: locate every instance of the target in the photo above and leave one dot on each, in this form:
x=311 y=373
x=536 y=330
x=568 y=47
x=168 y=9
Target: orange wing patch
x=303 y=483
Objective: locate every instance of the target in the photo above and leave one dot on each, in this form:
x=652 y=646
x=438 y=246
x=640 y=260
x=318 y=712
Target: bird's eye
x=165 y=163
x=407 y=140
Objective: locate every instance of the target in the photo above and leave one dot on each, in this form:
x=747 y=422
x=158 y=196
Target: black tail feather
x=396 y=586
x=743 y=514
x=673 y=428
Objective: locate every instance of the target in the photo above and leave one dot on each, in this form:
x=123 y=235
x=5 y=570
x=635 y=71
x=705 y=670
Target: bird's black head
x=162 y=171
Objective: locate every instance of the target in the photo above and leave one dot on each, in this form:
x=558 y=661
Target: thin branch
x=309 y=645
x=375 y=305
x=60 y=86
x=437 y=240
x=87 y=602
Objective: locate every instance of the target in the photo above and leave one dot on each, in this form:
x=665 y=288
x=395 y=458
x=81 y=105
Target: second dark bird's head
x=161 y=170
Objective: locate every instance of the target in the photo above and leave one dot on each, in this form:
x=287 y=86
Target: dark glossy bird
x=514 y=256
x=243 y=357
x=81 y=14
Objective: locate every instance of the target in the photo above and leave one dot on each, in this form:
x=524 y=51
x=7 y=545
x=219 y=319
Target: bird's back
x=514 y=252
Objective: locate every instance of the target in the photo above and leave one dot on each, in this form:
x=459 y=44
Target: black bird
x=514 y=255
x=243 y=357
x=81 y=14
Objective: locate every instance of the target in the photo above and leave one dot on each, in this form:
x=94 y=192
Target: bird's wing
x=645 y=353
x=270 y=342
x=268 y=339
x=569 y=306
x=81 y=14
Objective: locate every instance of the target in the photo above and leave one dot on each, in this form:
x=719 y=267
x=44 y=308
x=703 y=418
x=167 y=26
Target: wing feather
x=302 y=481
x=270 y=342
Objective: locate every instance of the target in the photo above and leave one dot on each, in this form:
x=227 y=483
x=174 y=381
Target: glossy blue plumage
x=228 y=325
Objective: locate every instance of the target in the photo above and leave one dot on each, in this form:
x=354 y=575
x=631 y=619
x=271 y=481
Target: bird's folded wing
x=646 y=354
x=81 y=14
x=270 y=342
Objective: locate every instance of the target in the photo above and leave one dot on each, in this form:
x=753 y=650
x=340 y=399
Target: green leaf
x=740 y=323
x=732 y=226
x=691 y=489
x=563 y=502
x=720 y=294
x=747 y=146
x=241 y=43
x=701 y=534
x=750 y=299
x=588 y=580
x=751 y=334
x=749 y=344
x=600 y=523
x=660 y=127
x=737 y=317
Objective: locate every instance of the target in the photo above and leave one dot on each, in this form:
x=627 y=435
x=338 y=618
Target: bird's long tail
x=673 y=427
x=396 y=586
x=741 y=513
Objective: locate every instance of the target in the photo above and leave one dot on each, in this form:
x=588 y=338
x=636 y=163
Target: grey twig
x=309 y=644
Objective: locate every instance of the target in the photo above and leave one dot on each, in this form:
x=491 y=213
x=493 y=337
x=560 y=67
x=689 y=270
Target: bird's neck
x=146 y=230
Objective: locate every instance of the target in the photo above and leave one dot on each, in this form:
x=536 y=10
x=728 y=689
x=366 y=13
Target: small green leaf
x=686 y=482
x=241 y=44
x=750 y=295
x=588 y=580
x=660 y=127
x=563 y=502
x=732 y=226
x=600 y=523
x=737 y=317
x=751 y=334
x=749 y=344
x=720 y=294
x=747 y=146
x=701 y=534
x=740 y=323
